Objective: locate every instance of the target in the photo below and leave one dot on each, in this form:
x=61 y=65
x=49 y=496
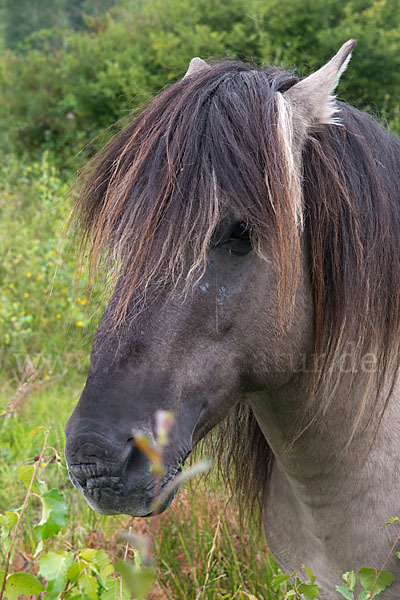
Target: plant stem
x=20 y=514
x=396 y=541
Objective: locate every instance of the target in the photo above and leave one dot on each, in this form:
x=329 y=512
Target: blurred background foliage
x=71 y=72
x=70 y=69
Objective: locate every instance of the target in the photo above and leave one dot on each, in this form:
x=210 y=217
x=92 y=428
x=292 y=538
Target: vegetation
x=68 y=76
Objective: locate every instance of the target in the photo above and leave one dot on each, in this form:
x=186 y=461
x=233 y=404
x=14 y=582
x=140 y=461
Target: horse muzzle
x=114 y=478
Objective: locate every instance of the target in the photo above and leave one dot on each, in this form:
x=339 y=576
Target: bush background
x=71 y=72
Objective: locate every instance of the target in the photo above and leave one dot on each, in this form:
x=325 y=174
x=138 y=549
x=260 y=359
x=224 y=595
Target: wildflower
x=83 y=302
x=39 y=277
x=58 y=316
x=23 y=313
x=79 y=323
x=29 y=274
x=26 y=295
x=47 y=376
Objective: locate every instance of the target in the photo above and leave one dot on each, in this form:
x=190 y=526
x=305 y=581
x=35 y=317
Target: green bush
x=68 y=86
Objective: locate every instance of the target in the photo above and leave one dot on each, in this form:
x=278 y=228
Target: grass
x=200 y=550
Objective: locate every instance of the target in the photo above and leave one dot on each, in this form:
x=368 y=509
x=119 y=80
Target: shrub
x=67 y=86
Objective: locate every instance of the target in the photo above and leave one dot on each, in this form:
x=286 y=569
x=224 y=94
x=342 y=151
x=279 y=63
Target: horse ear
x=196 y=65
x=313 y=98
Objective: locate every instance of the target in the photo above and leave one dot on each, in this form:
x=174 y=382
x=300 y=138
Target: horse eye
x=240 y=231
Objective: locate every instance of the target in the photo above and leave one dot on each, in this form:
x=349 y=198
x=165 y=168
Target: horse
x=251 y=224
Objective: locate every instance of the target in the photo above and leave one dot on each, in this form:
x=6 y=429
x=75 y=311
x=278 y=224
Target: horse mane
x=212 y=141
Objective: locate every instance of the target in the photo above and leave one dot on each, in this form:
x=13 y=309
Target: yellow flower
x=47 y=376
x=23 y=313
x=26 y=295
x=29 y=274
x=52 y=253
x=79 y=323
x=83 y=302
x=58 y=316
x=69 y=299
x=39 y=277
x=7 y=341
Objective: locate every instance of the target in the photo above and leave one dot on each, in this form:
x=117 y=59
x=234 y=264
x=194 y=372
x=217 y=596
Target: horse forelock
x=211 y=144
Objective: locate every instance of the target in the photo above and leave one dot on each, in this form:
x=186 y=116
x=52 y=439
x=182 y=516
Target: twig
x=20 y=514
x=389 y=555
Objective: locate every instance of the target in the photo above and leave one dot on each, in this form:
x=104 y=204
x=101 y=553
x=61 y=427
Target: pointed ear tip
x=349 y=45
x=196 y=65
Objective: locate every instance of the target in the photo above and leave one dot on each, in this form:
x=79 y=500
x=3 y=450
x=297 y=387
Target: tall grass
x=200 y=550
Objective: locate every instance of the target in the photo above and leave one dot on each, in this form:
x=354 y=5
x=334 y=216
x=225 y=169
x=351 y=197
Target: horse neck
x=328 y=448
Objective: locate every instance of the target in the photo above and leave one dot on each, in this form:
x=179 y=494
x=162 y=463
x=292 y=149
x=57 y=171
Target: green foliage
x=44 y=321
x=88 y=571
x=22 y=584
x=374 y=581
x=196 y=545
x=293 y=587
x=54 y=514
x=68 y=86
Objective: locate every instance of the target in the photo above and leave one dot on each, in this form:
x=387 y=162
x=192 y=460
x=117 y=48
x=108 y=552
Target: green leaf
x=290 y=594
x=350 y=578
x=88 y=554
x=24 y=474
x=368 y=577
x=309 y=591
x=310 y=574
x=344 y=591
x=106 y=570
x=22 y=584
x=75 y=570
x=89 y=585
x=7 y=523
x=8 y=520
x=139 y=580
x=364 y=596
x=54 y=515
x=54 y=567
x=102 y=559
x=113 y=590
x=391 y=520
x=278 y=580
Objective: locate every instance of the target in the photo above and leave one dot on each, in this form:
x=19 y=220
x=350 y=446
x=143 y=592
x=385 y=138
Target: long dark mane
x=159 y=188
